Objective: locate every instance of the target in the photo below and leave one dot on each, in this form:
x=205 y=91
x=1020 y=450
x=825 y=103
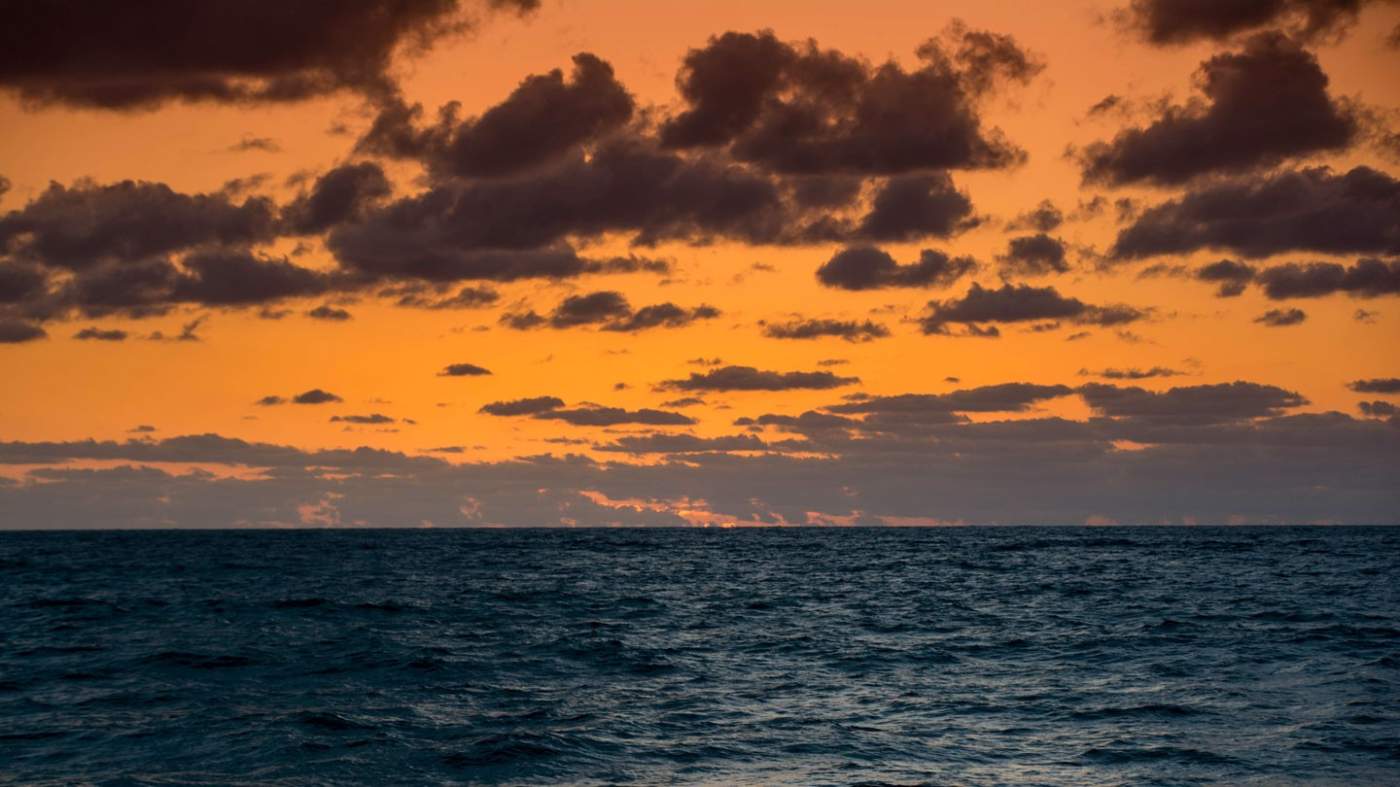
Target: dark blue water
x=967 y=656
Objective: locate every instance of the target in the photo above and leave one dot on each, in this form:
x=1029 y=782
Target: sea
x=948 y=656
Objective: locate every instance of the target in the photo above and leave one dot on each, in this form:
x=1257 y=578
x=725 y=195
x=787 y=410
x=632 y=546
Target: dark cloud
x=1301 y=210
x=794 y=108
x=1377 y=385
x=1019 y=303
x=544 y=118
x=1165 y=22
x=592 y=308
x=505 y=229
x=188 y=332
x=824 y=191
x=866 y=267
x=1264 y=104
x=662 y=315
x=463 y=370
x=1280 y=318
x=271 y=400
x=315 y=396
x=850 y=330
x=262 y=144
x=101 y=335
x=909 y=207
x=420 y=295
x=1003 y=397
x=1034 y=255
x=1368 y=278
x=329 y=313
x=614 y=416
x=16 y=331
x=1378 y=409
x=372 y=419
x=610 y=311
x=662 y=443
x=340 y=195
x=747 y=378
x=1232 y=276
x=103 y=56
x=1044 y=218
x=1196 y=404
x=238 y=278
x=142 y=429
x=684 y=401
x=1132 y=373
x=84 y=225
x=530 y=406
x=20 y=282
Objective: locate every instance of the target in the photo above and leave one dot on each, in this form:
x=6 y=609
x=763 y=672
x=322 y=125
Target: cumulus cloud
x=1281 y=318
x=463 y=370
x=530 y=406
x=866 y=268
x=543 y=119
x=1376 y=385
x=342 y=194
x=1378 y=409
x=421 y=295
x=17 y=331
x=99 y=334
x=372 y=419
x=1232 y=276
x=506 y=229
x=1002 y=397
x=329 y=313
x=1019 y=303
x=908 y=207
x=1258 y=216
x=85 y=225
x=1130 y=373
x=1263 y=104
x=1045 y=217
x=610 y=311
x=795 y=108
x=551 y=408
x=315 y=396
x=850 y=330
x=1193 y=404
x=748 y=378
x=1368 y=278
x=594 y=415
x=100 y=56
x=1034 y=255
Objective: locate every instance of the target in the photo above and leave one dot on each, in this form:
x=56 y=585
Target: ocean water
x=899 y=656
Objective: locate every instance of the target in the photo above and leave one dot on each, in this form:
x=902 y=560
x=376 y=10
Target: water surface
x=965 y=656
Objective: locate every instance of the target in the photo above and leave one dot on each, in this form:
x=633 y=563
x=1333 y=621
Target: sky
x=488 y=263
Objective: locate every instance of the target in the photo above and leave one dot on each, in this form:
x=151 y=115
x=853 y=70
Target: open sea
x=970 y=656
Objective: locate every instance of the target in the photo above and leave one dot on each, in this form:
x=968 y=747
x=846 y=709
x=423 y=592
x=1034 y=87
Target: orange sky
x=386 y=359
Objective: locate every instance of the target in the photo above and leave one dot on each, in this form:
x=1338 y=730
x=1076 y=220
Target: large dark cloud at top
x=796 y=108
x=1263 y=104
x=1183 y=21
x=119 y=56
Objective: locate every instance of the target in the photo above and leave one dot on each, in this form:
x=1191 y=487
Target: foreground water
x=967 y=656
